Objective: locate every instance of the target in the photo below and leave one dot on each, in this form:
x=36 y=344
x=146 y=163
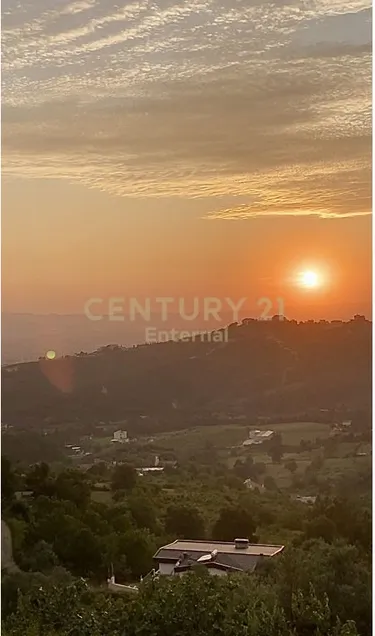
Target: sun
x=309 y=279
x=313 y=277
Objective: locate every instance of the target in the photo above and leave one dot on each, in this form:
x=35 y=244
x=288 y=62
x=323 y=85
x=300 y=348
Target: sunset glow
x=130 y=139
x=187 y=317
x=310 y=279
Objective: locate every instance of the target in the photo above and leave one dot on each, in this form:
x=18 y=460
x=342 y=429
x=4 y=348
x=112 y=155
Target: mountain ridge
x=265 y=368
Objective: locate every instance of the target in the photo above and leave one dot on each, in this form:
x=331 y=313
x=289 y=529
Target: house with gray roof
x=218 y=557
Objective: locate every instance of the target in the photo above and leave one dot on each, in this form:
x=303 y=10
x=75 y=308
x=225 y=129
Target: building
x=344 y=427
x=76 y=451
x=253 y=485
x=306 y=499
x=120 y=436
x=258 y=437
x=150 y=469
x=219 y=558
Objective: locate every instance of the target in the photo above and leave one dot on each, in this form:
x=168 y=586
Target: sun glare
x=309 y=279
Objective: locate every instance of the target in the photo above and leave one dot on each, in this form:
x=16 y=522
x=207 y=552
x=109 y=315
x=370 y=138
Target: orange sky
x=186 y=149
x=143 y=248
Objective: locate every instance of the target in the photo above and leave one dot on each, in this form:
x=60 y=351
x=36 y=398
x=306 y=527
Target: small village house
x=220 y=558
x=120 y=437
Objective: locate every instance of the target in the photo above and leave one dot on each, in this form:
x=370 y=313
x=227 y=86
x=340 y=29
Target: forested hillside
x=267 y=368
x=319 y=586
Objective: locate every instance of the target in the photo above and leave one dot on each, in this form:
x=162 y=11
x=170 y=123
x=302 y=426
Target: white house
x=220 y=558
x=120 y=436
x=305 y=499
x=258 y=437
x=150 y=469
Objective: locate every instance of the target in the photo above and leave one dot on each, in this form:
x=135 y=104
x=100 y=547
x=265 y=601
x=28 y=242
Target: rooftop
x=215 y=554
x=225 y=563
x=181 y=546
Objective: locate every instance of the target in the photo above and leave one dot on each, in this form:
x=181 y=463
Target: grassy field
x=222 y=435
x=293 y=432
x=228 y=435
x=339 y=465
x=227 y=442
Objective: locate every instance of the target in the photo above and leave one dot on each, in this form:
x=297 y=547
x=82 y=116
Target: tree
x=81 y=551
x=330 y=444
x=313 y=615
x=358 y=318
x=71 y=485
x=259 y=468
x=336 y=571
x=270 y=483
x=231 y=481
x=29 y=447
x=142 y=511
x=8 y=481
x=275 y=448
x=244 y=469
x=98 y=470
x=239 y=469
x=196 y=604
x=124 y=477
x=139 y=547
x=316 y=464
x=321 y=528
x=234 y=523
x=39 y=480
x=11 y=587
x=86 y=556
x=353 y=521
x=291 y=465
x=276 y=454
x=41 y=558
x=184 y=522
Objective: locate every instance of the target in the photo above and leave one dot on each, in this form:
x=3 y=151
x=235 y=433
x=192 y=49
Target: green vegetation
x=296 y=444
x=73 y=517
x=281 y=369
x=287 y=600
x=320 y=585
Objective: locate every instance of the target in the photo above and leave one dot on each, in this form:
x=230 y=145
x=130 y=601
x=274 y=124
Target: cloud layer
x=267 y=101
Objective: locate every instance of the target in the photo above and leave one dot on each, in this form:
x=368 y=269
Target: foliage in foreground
x=319 y=586
x=196 y=604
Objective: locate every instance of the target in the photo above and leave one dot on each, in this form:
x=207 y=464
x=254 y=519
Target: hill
x=266 y=368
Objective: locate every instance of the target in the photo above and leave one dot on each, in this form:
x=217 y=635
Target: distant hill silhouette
x=266 y=368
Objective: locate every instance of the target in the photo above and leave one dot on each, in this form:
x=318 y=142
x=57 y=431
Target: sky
x=186 y=149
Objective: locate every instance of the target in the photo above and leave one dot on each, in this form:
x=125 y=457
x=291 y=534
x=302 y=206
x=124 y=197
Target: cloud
x=199 y=98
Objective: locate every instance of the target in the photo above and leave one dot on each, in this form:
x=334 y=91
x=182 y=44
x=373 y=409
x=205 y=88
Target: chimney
x=241 y=544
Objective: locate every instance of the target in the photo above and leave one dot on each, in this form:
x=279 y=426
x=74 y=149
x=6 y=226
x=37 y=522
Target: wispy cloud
x=267 y=101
